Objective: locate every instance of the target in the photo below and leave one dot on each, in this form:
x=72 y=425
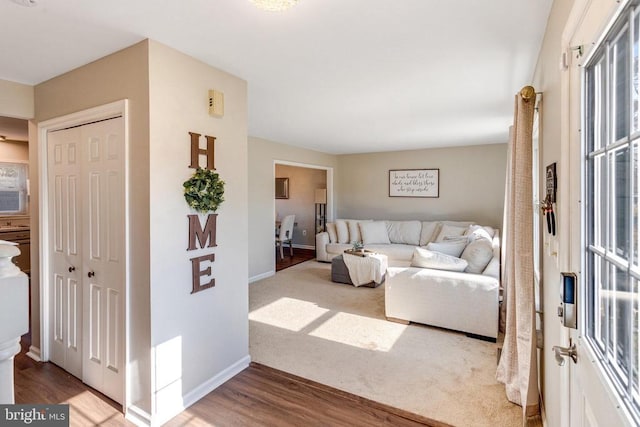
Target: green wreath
x=204 y=191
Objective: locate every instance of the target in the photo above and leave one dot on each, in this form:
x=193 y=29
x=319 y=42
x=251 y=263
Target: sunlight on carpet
x=288 y=313
x=336 y=334
x=360 y=331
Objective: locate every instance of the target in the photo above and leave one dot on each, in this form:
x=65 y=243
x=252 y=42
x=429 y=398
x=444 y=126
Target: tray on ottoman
x=340 y=273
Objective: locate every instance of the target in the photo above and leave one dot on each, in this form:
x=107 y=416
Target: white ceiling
x=339 y=76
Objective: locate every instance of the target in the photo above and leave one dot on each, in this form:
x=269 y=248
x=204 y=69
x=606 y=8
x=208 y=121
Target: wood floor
x=299 y=255
x=258 y=396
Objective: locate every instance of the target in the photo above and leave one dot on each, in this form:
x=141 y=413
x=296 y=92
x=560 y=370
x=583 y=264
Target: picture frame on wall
x=414 y=183
x=282 y=188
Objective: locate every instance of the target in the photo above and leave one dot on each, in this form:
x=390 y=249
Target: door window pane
x=620 y=210
x=621 y=317
x=636 y=64
x=599 y=191
x=634 y=206
x=621 y=86
x=635 y=344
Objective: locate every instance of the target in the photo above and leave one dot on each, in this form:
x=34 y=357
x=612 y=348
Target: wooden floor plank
x=258 y=396
x=299 y=255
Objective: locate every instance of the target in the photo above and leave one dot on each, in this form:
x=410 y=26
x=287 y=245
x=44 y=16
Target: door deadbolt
x=91 y=274
x=563 y=352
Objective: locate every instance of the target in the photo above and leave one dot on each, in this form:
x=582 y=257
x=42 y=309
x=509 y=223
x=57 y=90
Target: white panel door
x=66 y=260
x=86 y=199
x=104 y=256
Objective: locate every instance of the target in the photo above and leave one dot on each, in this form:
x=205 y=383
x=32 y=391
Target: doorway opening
x=308 y=188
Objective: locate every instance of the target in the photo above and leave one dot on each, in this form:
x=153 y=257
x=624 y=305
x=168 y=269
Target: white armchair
x=285 y=234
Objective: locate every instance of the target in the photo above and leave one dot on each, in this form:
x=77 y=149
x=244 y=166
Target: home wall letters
x=196 y=231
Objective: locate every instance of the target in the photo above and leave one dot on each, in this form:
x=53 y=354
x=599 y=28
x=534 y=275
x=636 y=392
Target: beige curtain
x=517 y=368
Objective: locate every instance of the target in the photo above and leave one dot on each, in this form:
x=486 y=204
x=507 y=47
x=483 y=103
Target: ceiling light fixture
x=274 y=5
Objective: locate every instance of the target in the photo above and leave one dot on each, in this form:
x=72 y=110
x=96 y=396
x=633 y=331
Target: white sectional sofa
x=428 y=280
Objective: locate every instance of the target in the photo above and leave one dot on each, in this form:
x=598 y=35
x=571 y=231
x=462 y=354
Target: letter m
x=196 y=232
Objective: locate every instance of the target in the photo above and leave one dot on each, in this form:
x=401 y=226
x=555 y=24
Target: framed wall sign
x=414 y=183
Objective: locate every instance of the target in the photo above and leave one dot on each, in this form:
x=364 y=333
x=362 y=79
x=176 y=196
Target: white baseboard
x=138 y=416
x=261 y=276
x=34 y=353
x=203 y=389
x=304 y=246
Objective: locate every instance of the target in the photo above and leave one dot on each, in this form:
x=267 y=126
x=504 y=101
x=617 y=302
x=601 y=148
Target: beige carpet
x=302 y=323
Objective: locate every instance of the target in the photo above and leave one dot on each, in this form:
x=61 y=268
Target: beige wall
x=471 y=184
x=14 y=151
x=303 y=183
x=198 y=338
x=262 y=157
x=16 y=100
x=122 y=75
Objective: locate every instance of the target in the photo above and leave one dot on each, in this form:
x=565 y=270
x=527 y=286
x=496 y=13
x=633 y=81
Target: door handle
x=562 y=352
x=72 y=269
x=91 y=274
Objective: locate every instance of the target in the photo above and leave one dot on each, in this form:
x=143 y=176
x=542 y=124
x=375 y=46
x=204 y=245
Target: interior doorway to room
x=301 y=190
x=14 y=215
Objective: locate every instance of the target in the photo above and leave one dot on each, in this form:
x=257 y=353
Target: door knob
x=562 y=352
x=91 y=274
x=72 y=269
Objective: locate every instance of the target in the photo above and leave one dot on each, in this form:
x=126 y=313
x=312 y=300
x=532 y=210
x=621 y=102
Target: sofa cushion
x=406 y=232
x=394 y=251
x=450 y=231
x=477 y=254
x=449 y=247
x=337 y=248
x=354 y=230
x=333 y=234
x=427 y=232
x=425 y=258
x=342 y=229
x=374 y=232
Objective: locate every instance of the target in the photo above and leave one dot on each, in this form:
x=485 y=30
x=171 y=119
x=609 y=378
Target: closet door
x=86 y=186
x=65 y=256
x=103 y=252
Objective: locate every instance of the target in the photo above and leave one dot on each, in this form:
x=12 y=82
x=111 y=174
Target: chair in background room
x=286 y=234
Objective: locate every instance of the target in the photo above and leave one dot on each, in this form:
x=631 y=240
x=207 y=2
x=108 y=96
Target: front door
x=87 y=231
x=601 y=185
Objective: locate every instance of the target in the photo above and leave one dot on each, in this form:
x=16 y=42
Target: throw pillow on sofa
x=342 y=230
x=450 y=231
x=477 y=254
x=449 y=247
x=333 y=234
x=354 y=229
x=374 y=232
x=425 y=258
x=476 y=232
